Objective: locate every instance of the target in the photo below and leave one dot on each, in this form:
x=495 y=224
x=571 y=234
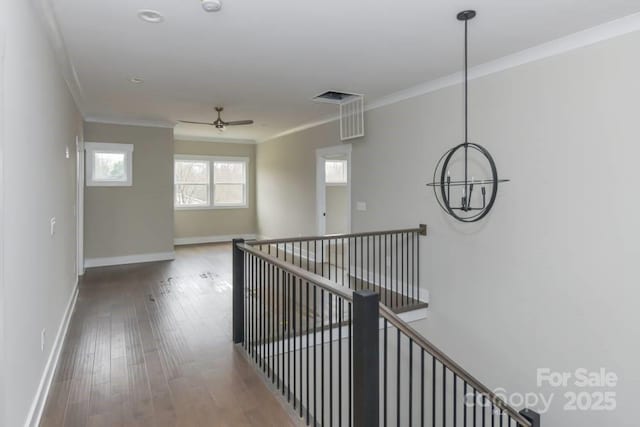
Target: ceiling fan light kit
x=462 y=205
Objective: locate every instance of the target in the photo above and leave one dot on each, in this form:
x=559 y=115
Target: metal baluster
x=475 y=410
x=248 y=263
x=322 y=355
x=300 y=342
x=330 y=359
x=278 y=316
x=402 y=266
x=247 y=295
x=422 y=404
x=433 y=391
x=368 y=266
x=411 y=382
x=254 y=292
x=315 y=356
x=329 y=257
x=361 y=263
x=418 y=263
x=273 y=322
x=398 y=377
x=484 y=405
x=262 y=312
x=455 y=395
x=349 y=261
x=288 y=335
x=464 y=410
x=398 y=296
x=293 y=318
x=406 y=242
x=336 y=265
x=386 y=282
x=340 y=315
x=413 y=268
x=307 y=333
x=444 y=395
x=384 y=374
x=283 y=321
x=350 y=369
x=493 y=415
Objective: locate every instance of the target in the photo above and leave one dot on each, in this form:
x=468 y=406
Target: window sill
x=209 y=208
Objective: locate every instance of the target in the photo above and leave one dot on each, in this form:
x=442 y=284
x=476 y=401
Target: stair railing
x=383 y=261
x=341 y=357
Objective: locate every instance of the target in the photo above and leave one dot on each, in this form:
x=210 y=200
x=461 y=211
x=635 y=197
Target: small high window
x=335 y=172
x=108 y=165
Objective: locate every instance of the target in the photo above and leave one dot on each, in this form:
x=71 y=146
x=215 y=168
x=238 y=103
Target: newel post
x=238 y=292
x=532 y=416
x=366 y=376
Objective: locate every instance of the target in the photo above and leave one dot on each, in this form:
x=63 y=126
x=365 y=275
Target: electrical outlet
x=67 y=154
x=361 y=206
x=43 y=336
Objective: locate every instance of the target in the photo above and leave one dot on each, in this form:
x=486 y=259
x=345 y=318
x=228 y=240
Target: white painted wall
x=548 y=280
x=38 y=182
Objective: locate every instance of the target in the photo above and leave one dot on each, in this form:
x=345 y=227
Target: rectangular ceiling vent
x=334 y=97
x=352 y=118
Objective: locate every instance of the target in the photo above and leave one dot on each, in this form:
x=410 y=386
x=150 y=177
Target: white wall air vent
x=352 y=118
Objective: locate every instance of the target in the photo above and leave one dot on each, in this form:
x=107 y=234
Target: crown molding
x=590 y=36
x=583 y=38
x=47 y=14
x=130 y=122
x=205 y=138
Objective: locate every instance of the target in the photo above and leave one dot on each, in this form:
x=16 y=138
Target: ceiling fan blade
x=239 y=122
x=195 y=123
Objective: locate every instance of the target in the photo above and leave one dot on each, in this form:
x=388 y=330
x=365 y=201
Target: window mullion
x=212 y=183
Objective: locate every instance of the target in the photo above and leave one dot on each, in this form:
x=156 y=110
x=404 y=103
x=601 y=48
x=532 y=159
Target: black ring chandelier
x=469 y=208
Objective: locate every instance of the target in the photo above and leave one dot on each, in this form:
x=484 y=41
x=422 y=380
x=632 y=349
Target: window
x=109 y=165
x=335 y=172
x=192 y=183
x=202 y=182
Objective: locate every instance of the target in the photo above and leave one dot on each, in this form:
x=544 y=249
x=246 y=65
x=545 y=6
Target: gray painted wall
x=286 y=179
x=38 y=271
x=134 y=220
x=219 y=222
x=548 y=280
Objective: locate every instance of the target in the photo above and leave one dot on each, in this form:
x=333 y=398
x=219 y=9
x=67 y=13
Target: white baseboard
x=129 y=259
x=211 y=239
x=35 y=412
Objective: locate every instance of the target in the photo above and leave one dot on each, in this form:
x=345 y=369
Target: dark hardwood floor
x=150 y=345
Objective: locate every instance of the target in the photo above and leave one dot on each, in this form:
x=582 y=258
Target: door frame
x=80 y=159
x=321 y=200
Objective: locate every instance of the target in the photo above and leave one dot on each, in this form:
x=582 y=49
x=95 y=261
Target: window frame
x=212 y=160
x=91 y=148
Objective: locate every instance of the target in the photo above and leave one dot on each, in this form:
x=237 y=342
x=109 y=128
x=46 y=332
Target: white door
x=333 y=189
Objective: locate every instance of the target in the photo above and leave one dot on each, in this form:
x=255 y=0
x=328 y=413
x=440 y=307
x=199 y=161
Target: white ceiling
x=264 y=60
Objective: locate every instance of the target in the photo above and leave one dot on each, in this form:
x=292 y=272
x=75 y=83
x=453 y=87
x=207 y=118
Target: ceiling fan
x=219 y=123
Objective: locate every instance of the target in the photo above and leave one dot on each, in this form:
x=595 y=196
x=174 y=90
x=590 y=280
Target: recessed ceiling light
x=136 y=80
x=212 y=5
x=151 y=16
